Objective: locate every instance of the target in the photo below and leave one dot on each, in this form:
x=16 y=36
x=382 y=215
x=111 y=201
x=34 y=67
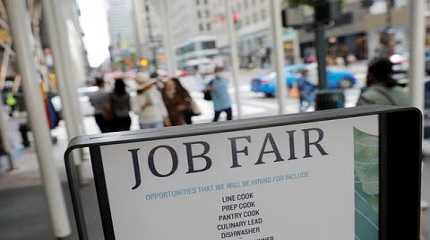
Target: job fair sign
x=316 y=180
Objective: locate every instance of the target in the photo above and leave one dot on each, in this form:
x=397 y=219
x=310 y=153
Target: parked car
x=336 y=78
x=84 y=93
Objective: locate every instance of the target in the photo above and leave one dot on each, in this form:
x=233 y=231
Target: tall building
x=149 y=34
x=254 y=29
x=192 y=25
x=199 y=27
x=121 y=24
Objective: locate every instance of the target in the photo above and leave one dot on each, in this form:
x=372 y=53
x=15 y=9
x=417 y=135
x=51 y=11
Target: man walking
x=218 y=88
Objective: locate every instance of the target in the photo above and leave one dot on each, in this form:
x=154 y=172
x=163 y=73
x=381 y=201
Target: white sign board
x=284 y=182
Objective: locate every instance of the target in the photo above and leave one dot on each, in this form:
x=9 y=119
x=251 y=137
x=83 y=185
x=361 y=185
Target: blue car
x=336 y=79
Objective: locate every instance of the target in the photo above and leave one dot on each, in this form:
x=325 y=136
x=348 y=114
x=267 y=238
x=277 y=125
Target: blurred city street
x=72 y=68
x=22 y=202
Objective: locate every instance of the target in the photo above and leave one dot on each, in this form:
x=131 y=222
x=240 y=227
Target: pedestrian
x=192 y=110
x=177 y=101
x=218 y=88
x=307 y=90
x=120 y=107
x=100 y=100
x=148 y=104
x=381 y=87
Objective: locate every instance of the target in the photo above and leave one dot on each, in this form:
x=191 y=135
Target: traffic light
x=367 y=3
x=284 y=18
x=327 y=11
x=322 y=12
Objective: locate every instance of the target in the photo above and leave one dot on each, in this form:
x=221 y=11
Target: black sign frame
x=400 y=138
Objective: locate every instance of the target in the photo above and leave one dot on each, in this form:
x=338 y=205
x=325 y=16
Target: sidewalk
x=23 y=208
x=24 y=213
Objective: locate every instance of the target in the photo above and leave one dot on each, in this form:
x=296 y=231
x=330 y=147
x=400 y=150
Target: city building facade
x=194 y=32
x=199 y=29
x=348 y=33
x=358 y=30
x=149 y=34
x=254 y=30
x=121 y=24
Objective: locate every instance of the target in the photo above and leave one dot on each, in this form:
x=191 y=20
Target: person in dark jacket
x=381 y=87
x=120 y=107
x=100 y=101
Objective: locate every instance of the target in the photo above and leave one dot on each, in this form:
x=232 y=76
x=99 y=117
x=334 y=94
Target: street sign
x=309 y=176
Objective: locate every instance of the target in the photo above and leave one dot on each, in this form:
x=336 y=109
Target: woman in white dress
x=148 y=104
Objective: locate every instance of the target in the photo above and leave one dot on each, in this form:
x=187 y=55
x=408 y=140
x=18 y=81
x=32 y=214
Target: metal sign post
x=23 y=41
x=65 y=66
x=279 y=55
x=233 y=55
x=63 y=61
x=417 y=50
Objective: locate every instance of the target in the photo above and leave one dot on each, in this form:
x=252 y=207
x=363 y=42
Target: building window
x=208 y=45
x=197 y=2
x=255 y=17
x=207 y=14
x=208 y=27
x=199 y=14
x=260 y=41
x=201 y=27
x=206 y=2
x=186 y=49
x=263 y=14
x=245 y=4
